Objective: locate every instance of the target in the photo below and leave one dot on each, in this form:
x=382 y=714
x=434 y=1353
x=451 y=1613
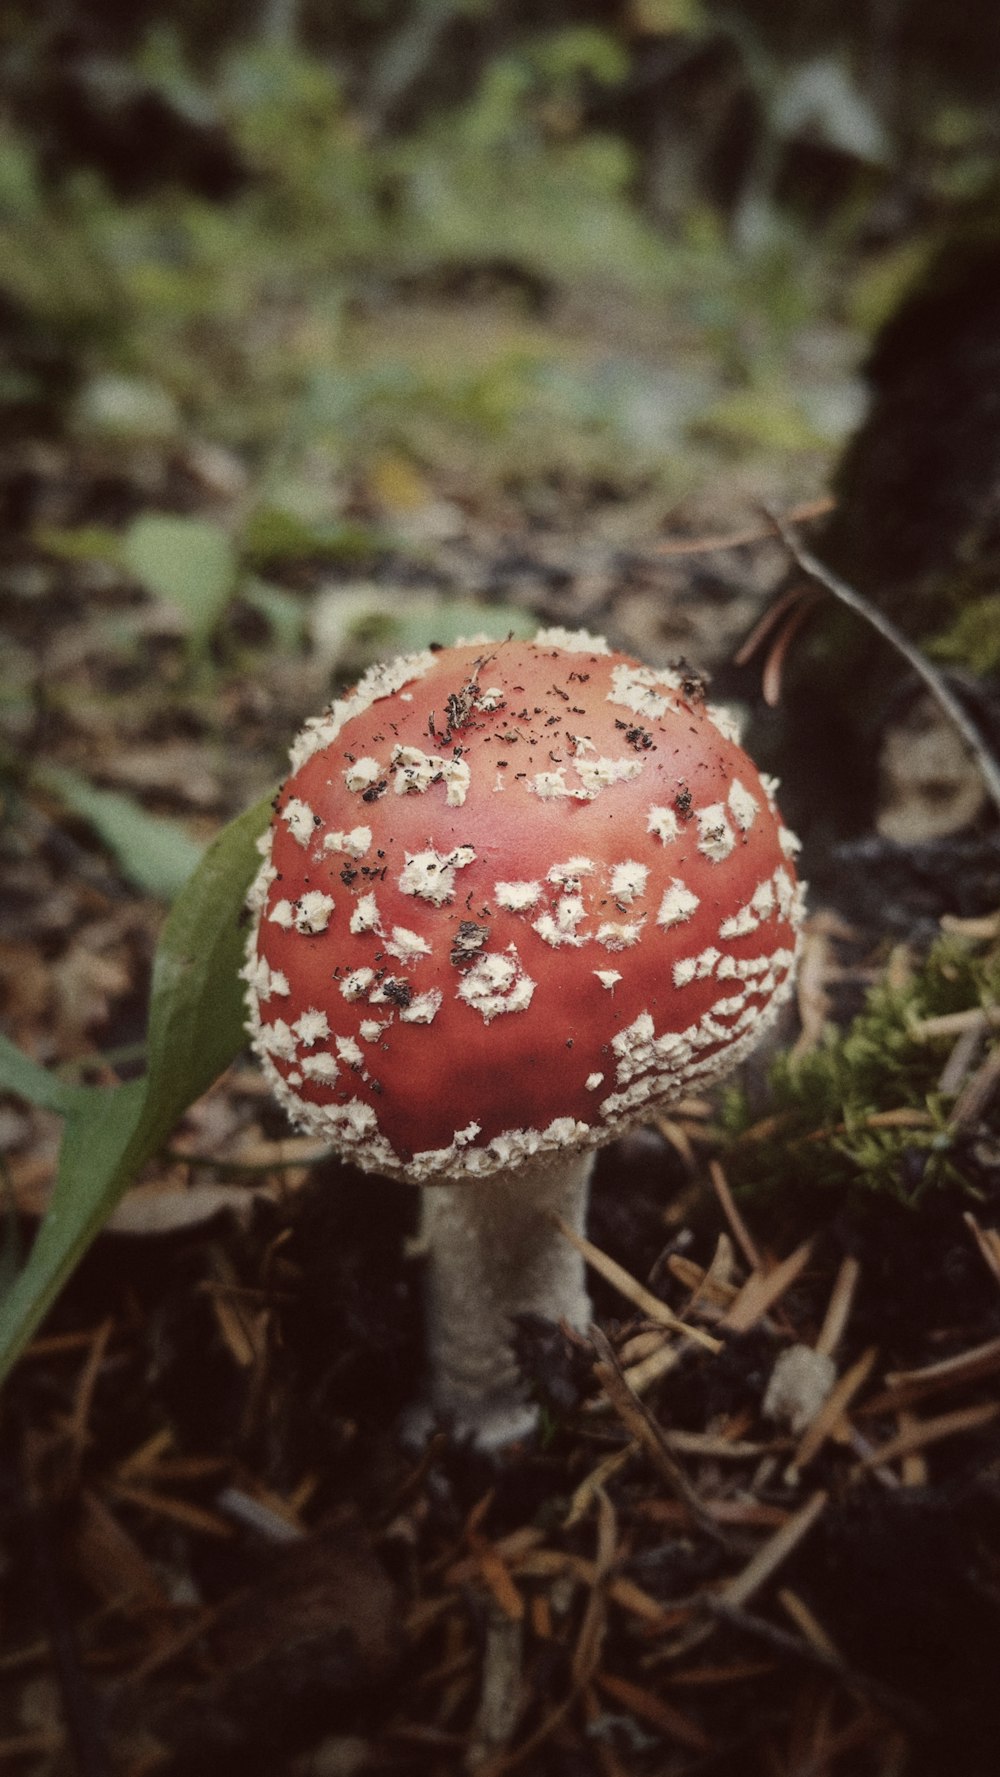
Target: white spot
x=571 y=641
x=743 y=807
x=260 y=887
x=770 y=787
x=366 y=916
x=256 y=972
x=634 y=1048
x=739 y=924
x=593 y=1081
x=600 y=774
x=568 y=875
x=608 y=978
x=672 y=1049
x=664 y=824
x=278 y=1039
x=549 y=785
x=725 y=721
x=728 y=1007
x=789 y=842
x=312 y=912
x=355 y=843
x=516 y=897
x=362 y=773
x=490 y=699
x=319 y=1067
x=641 y=688
x=379 y=681
x=299 y=816
x=560 y=928
x=355 y=985
x=282 y=914
x=696 y=968
x=497 y=983
x=628 y=880
x=311 y=1027
x=370 y=1029
x=407 y=946
x=423 y=1008
x=416 y=771
x=616 y=936
x=762 y=899
x=349 y=1051
x=430 y=874
x=785 y=890
x=678 y=904
x=716 y=838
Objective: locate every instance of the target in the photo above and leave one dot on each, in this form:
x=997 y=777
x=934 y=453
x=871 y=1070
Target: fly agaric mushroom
x=514 y=896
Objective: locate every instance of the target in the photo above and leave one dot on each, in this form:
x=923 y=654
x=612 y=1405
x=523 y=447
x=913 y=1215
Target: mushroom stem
x=492 y=1254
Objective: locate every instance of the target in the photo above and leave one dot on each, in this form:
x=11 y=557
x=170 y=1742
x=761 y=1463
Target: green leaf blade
x=196 y=1029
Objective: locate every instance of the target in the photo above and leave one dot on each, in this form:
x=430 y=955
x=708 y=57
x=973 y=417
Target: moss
x=864 y=1111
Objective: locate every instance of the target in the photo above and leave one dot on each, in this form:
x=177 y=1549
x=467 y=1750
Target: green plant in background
x=864 y=1110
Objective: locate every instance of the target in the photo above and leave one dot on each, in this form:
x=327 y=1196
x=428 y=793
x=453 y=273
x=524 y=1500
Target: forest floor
x=218 y=1557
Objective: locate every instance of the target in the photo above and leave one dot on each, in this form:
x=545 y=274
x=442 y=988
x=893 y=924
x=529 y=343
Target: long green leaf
x=195 y=1029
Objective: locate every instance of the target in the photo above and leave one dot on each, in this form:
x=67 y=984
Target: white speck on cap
x=678 y=904
x=362 y=773
x=497 y=983
x=430 y=874
x=299 y=819
x=716 y=838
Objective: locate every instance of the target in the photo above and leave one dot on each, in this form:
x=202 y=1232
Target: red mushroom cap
x=513 y=894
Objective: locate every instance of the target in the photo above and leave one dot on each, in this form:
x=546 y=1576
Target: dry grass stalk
x=769 y=1557
x=629 y=1287
x=954 y=1024
x=928 y=1431
x=803 y=513
x=806 y=1623
x=741 y=1233
x=655 y=1710
x=763 y=1289
x=640 y=1424
x=902 y=1387
x=839 y=1307
x=988 y=1242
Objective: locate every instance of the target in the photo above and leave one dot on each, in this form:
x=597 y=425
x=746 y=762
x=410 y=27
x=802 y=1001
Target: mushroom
x=514 y=896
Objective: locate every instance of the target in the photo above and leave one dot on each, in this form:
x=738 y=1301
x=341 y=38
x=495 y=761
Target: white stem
x=492 y=1254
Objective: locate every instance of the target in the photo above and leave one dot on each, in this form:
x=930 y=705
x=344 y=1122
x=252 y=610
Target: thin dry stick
x=988 y=1242
x=769 y=1557
x=741 y=1233
x=908 y=1386
x=839 y=1307
x=929 y=1431
x=640 y=1424
x=936 y=684
x=763 y=1289
x=739 y=539
x=631 y=1289
x=783 y=1641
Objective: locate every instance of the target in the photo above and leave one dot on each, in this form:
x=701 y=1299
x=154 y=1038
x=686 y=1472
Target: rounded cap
x=513 y=895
